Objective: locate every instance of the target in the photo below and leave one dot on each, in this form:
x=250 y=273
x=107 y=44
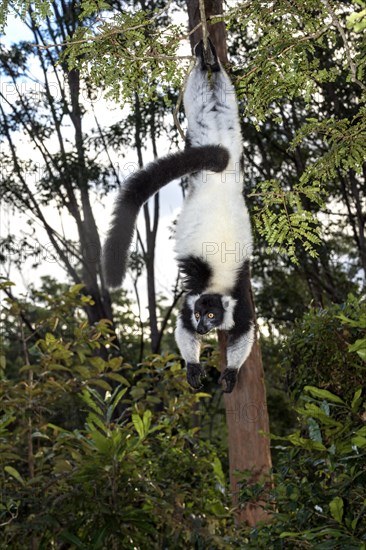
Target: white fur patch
x=229 y=304
x=240 y=350
x=189 y=343
x=191 y=300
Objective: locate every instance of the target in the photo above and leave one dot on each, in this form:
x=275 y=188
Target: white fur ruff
x=214 y=224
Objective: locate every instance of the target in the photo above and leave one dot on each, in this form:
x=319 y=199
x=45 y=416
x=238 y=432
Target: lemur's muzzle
x=202 y=329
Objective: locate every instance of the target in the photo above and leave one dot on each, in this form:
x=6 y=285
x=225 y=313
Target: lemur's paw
x=228 y=379
x=208 y=57
x=194 y=374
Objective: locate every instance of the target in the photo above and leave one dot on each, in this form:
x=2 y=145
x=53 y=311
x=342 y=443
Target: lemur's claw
x=208 y=57
x=228 y=379
x=194 y=374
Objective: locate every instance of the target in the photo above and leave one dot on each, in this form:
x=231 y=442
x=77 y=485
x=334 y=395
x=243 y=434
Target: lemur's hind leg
x=209 y=59
x=227 y=114
x=200 y=99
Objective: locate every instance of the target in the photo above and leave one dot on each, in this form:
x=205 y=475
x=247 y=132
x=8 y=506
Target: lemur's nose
x=201 y=329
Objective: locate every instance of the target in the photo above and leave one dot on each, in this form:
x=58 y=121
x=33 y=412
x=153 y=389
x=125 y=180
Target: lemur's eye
x=210 y=315
x=197 y=315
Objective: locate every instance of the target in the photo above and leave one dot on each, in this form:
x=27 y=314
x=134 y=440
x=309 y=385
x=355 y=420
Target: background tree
x=81 y=171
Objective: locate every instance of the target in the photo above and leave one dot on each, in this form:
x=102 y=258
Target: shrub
x=318 y=493
x=96 y=454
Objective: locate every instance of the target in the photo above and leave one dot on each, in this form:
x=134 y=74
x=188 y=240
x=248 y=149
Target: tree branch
x=352 y=65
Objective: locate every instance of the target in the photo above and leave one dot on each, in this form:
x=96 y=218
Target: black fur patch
x=186 y=315
x=243 y=313
x=196 y=273
x=195 y=373
x=228 y=379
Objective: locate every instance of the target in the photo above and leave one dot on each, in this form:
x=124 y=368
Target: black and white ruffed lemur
x=213 y=233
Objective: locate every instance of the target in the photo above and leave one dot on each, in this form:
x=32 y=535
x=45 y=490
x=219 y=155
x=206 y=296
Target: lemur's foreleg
x=189 y=344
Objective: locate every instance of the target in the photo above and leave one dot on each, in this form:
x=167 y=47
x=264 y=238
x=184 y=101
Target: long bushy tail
x=142 y=185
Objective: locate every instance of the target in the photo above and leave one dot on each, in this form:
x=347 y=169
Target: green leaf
x=75 y=289
x=359 y=441
x=336 y=507
x=147 y=421
x=14 y=473
x=357 y=400
x=115 y=402
x=138 y=425
x=94 y=419
x=217 y=468
x=323 y=394
x=118 y=377
x=102 y=443
x=88 y=399
x=217 y=508
x=115 y=363
x=100 y=383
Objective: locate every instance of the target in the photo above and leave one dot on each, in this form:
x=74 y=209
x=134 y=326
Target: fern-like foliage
x=40 y=10
x=127 y=53
x=282 y=220
x=344 y=143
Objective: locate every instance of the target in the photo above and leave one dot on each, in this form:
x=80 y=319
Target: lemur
x=213 y=232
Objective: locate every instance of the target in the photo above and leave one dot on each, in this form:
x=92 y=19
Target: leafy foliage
x=318 y=485
x=318 y=351
x=316 y=495
x=282 y=219
x=144 y=56
x=95 y=454
x=41 y=9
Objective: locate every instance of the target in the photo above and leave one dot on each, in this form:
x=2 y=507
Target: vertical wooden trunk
x=246 y=406
x=246 y=417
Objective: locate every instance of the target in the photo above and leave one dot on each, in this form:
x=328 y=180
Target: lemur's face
x=208 y=312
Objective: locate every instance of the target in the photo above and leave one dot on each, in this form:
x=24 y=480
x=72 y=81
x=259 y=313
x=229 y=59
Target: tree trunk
x=246 y=406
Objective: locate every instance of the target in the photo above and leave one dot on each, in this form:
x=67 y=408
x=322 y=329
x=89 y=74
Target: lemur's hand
x=228 y=379
x=194 y=374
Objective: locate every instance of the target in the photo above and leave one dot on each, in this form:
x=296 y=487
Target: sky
x=10 y=220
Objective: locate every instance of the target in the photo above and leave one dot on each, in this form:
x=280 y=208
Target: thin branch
x=204 y=24
x=176 y=297
x=313 y=36
x=106 y=148
x=176 y=111
x=116 y=31
x=142 y=335
x=24 y=319
x=141 y=243
x=34 y=205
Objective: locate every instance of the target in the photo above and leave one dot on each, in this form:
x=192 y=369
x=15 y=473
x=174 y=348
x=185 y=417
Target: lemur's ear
x=228 y=302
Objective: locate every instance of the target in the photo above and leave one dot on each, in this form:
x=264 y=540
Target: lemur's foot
x=228 y=379
x=208 y=57
x=194 y=374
